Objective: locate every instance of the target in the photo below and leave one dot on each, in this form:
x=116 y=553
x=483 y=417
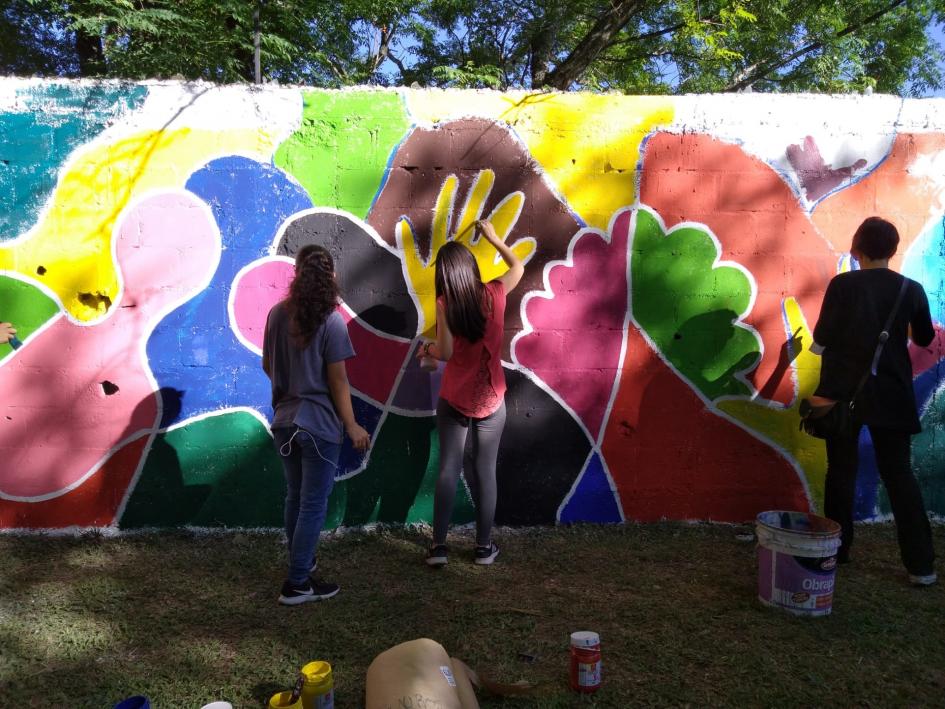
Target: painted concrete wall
x=677 y=251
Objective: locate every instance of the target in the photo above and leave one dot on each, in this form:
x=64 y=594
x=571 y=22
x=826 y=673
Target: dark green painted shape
x=341 y=151
x=221 y=471
x=24 y=305
x=688 y=308
x=37 y=140
x=399 y=482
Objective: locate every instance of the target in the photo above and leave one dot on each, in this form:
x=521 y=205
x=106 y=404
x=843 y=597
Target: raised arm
x=516 y=270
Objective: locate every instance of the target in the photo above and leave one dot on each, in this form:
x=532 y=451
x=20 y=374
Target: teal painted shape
x=925 y=263
x=222 y=471
x=48 y=123
x=928 y=451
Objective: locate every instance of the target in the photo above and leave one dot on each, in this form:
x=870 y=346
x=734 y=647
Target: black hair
x=876 y=239
x=457 y=279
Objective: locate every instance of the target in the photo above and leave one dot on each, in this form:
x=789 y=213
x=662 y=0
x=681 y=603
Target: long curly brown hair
x=313 y=294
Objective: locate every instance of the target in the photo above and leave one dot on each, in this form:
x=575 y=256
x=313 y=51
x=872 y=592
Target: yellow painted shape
x=72 y=241
x=421 y=273
x=588 y=144
x=780 y=424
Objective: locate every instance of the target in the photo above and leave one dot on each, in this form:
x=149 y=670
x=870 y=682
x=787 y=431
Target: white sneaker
x=926 y=580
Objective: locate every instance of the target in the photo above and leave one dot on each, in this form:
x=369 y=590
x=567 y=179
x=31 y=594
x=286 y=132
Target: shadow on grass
x=187 y=619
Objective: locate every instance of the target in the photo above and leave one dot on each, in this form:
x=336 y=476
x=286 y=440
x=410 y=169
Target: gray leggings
x=478 y=460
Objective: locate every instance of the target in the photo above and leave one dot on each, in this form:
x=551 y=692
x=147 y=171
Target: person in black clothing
x=855 y=308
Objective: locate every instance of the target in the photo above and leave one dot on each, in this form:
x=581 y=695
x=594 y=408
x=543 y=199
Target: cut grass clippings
x=186 y=619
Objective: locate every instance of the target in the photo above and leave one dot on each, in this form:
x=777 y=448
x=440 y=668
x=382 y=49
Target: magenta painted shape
x=378 y=359
x=79 y=391
x=577 y=329
x=255 y=292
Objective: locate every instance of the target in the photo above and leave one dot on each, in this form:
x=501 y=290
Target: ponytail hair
x=313 y=293
x=457 y=279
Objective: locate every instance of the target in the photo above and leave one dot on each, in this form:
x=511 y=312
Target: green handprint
x=420 y=272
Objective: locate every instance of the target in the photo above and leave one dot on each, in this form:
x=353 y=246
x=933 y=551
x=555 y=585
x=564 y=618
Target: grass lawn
x=186 y=619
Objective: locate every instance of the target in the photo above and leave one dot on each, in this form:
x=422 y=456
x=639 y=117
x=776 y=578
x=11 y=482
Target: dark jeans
x=894 y=460
x=478 y=462
x=309 y=464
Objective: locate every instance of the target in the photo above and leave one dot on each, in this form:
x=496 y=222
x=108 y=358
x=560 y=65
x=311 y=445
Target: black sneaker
x=487 y=554
x=437 y=555
x=311 y=590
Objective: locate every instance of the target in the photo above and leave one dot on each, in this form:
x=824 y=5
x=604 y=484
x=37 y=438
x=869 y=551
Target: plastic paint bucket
x=283 y=700
x=136 y=702
x=318 y=689
x=797 y=558
x=217 y=705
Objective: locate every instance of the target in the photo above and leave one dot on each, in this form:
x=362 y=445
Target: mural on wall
x=676 y=252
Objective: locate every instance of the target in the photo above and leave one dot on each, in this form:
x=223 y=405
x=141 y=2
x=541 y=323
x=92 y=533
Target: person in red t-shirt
x=470 y=321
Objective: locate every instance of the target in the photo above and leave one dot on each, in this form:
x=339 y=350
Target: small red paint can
x=585 y=661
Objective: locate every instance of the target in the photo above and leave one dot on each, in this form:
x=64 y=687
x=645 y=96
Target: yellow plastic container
x=318 y=690
x=283 y=700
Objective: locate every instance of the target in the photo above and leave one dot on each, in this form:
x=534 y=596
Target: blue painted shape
x=593 y=500
x=923 y=263
x=867 y=479
x=368 y=416
x=50 y=122
x=193 y=350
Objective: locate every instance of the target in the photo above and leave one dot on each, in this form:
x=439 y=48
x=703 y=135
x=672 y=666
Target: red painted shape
x=377 y=361
x=759 y=224
x=94 y=503
x=672 y=457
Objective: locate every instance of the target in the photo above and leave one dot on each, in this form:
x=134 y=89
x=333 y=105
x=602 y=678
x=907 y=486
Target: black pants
x=894 y=460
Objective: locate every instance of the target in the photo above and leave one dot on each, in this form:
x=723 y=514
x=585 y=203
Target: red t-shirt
x=473 y=381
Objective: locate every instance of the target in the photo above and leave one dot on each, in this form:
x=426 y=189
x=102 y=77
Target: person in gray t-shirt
x=305 y=347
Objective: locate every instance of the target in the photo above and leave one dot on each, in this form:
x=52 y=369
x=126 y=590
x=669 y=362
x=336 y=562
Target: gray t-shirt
x=300 y=394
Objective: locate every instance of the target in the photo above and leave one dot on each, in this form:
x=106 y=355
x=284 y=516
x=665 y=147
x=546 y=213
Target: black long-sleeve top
x=854 y=311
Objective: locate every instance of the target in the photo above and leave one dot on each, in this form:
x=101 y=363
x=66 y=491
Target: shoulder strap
x=883 y=336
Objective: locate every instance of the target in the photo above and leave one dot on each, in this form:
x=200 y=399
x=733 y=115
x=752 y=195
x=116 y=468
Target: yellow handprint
x=420 y=272
x=780 y=424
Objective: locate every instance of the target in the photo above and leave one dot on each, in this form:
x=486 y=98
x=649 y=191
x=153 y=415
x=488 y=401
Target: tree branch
x=759 y=70
x=598 y=38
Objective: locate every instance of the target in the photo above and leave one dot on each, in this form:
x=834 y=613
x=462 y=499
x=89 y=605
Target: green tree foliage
x=635 y=46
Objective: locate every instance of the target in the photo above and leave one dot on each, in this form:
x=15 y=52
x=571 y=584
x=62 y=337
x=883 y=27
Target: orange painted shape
x=759 y=224
x=905 y=188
